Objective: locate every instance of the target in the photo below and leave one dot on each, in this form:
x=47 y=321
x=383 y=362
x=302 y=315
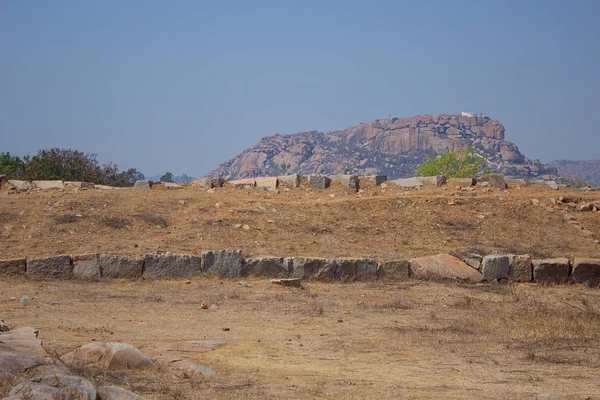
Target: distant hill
x=586 y=170
x=393 y=147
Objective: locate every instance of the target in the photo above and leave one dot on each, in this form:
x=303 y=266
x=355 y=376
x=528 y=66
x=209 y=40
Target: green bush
x=461 y=163
x=11 y=166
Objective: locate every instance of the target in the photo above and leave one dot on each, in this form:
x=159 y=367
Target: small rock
x=3 y=326
x=204 y=306
x=181 y=202
x=332 y=195
x=292 y=282
x=25 y=300
x=243 y=284
x=246 y=227
x=225 y=329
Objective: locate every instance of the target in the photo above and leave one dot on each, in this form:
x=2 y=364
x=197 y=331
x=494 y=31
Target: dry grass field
x=360 y=340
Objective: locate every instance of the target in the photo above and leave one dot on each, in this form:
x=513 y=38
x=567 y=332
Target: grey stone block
x=495 y=267
x=438 y=180
x=46 y=185
x=407 y=182
x=397 y=269
x=86 y=266
x=552 y=270
x=521 y=269
x=376 y=179
x=348 y=181
x=292 y=180
x=171 y=265
x=319 y=182
x=143 y=185
x=226 y=263
x=495 y=180
x=275 y=267
x=58 y=267
x=114 y=266
x=14 y=267
x=305 y=267
x=586 y=270
x=361 y=268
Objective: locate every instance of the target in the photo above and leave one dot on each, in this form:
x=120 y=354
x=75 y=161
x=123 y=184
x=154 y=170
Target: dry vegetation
x=413 y=339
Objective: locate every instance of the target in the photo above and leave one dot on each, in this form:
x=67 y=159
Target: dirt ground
x=361 y=340
x=386 y=223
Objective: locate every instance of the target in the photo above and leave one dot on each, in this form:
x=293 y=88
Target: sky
x=185 y=85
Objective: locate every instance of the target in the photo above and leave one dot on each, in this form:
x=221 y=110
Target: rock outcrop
x=392 y=147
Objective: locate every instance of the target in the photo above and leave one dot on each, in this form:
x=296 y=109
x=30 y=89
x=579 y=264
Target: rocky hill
x=392 y=147
x=585 y=170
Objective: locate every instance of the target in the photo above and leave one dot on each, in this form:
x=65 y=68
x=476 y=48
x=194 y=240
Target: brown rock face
x=392 y=147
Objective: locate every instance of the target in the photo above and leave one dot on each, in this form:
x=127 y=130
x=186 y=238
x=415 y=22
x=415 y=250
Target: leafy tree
x=461 y=163
x=167 y=177
x=67 y=164
x=11 y=166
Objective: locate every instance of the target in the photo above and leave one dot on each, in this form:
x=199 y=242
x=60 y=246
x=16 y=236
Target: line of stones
x=231 y=263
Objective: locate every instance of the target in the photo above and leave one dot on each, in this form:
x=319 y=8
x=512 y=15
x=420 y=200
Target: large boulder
x=293 y=180
x=226 y=263
x=319 y=182
x=113 y=356
x=495 y=267
x=171 y=265
x=348 y=181
x=443 y=266
x=210 y=182
x=13 y=267
x=243 y=183
x=57 y=267
x=86 y=266
x=21 y=351
x=19 y=186
x=586 y=270
x=46 y=185
x=521 y=269
x=551 y=270
x=266 y=266
x=116 y=393
x=54 y=387
x=397 y=269
x=495 y=180
x=144 y=184
x=267 y=183
x=114 y=266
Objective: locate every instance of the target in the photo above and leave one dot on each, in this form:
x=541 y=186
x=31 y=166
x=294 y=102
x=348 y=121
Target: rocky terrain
x=586 y=170
x=392 y=147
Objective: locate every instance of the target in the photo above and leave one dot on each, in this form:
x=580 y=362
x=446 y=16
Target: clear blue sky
x=185 y=85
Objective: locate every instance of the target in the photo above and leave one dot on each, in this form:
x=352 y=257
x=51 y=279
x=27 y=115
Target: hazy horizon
x=187 y=85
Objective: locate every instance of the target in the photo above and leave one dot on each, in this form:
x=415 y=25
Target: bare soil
x=411 y=339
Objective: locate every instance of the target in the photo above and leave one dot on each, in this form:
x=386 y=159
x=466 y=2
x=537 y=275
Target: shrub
x=461 y=163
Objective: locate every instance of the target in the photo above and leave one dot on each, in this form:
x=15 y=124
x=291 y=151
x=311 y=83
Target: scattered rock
x=552 y=185
x=25 y=300
x=443 y=266
x=58 y=267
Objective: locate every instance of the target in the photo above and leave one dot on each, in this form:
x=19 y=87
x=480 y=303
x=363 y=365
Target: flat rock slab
x=86 y=266
x=407 y=182
x=184 y=355
x=290 y=282
x=438 y=180
x=243 y=183
x=348 y=181
x=293 y=180
x=14 y=267
x=521 y=269
x=443 y=266
x=171 y=265
x=116 y=393
x=461 y=182
x=495 y=267
x=57 y=267
x=226 y=263
x=55 y=387
x=115 y=266
x=553 y=270
x=20 y=186
x=319 y=182
x=114 y=356
x=397 y=269
x=267 y=183
x=266 y=266
x=587 y=271
x=46 y=185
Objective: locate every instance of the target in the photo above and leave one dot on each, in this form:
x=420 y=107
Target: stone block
x=210 y=182
x=305 y=267
x=267 y=266
x=407 y=182
x=171 y=185
x=267 y=183
x=439 y=180
x=79 y=185
x=143 y=185
x=57 y=267
x=351 y=268
x=47 y=185
x=443 y=266
x=226 y=263
x=13 y=267
x=495 y=267
x=462 y=182
x=521 y=269
x=551 y=270
x=243 y=183
x=293 y=180
x=114 y=266
x=586 y=270
x=86 y=266
x=397 y=269
x=319 y=182
x=376 y=179
x=495 y=180
x=348 y=181
x=171 y=265
x=20 y=186
x=473 y=263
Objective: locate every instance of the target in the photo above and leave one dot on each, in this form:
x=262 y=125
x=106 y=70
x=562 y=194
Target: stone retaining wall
x=232 y=264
